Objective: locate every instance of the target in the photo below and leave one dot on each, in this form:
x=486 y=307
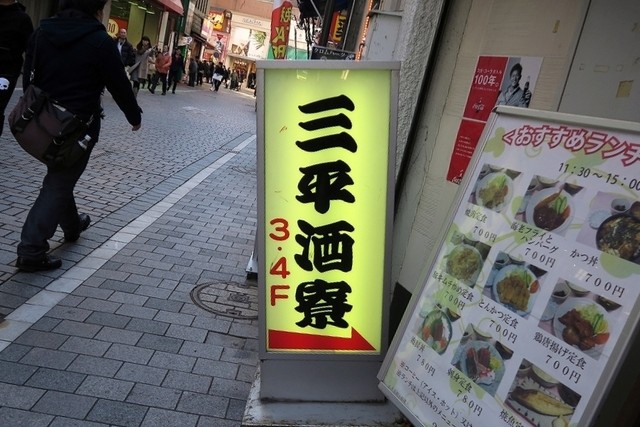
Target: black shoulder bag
x=45 y=129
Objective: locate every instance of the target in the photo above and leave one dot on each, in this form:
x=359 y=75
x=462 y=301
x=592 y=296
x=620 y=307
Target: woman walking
x=151 y=67
x=138 y=71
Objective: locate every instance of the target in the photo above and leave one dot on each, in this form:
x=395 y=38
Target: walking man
x=125 y=48
x=74 y=39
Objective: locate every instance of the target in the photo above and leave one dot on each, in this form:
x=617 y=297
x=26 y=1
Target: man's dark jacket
x=15 y=28
x=75 y=60
x=127 y=53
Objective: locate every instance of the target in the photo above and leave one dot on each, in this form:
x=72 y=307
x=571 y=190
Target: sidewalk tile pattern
x=113 y=337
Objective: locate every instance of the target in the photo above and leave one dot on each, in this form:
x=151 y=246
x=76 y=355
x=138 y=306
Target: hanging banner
x=338 y=27
x=496 y=81
x=219 y=42
x=220 y=20
x=280 y=23
x=327 y=203
x=528 y=308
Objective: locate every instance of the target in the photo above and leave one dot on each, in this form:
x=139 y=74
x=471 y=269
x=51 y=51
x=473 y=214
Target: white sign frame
x=398 y=361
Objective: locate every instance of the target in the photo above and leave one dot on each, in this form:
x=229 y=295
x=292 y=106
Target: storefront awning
x=173 y=5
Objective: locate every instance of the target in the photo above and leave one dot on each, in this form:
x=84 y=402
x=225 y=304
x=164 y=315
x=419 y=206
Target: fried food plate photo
x=515 y=287
x=582 y=323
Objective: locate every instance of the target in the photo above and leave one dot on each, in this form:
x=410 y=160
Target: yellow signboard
x=326 y=207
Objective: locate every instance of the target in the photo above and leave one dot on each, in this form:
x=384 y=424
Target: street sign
x=326 y=141
x=319 y=52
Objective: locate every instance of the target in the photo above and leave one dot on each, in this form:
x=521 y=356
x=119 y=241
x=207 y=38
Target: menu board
x=527 y=309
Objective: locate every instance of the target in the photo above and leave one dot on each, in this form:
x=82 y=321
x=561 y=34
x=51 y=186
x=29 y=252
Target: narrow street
x=151 y=321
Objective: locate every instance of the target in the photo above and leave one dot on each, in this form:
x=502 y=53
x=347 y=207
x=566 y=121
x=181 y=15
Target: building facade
x=439 y=44
x=157 y=19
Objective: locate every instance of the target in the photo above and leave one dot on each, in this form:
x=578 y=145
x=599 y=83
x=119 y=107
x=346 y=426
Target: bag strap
x=32 y=75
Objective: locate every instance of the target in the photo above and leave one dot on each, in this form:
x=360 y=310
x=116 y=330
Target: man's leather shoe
x=49 y=262
x=85 y=220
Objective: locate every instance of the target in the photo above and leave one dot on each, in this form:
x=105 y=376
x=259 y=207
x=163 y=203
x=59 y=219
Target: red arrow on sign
x=284 y=340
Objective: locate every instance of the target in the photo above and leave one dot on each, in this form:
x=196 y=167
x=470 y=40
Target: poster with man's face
x=498 y=80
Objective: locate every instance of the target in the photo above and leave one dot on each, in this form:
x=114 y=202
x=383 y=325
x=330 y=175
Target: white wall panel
x=604 y=80
x=544 y=28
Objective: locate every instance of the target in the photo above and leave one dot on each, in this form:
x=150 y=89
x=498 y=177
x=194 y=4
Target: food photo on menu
x=434 y=327
x=514 y=284
x=580 y=318
x=494 y=187
x=549 y=204
x=613 y=226
x=540 y=399
x=477 y=356
x=464 y=258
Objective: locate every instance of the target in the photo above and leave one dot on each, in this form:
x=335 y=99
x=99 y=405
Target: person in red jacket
x=163 y=62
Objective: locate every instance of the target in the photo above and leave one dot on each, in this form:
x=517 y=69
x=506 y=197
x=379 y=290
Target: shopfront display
x=119 y=17
x=138 y=18
x=248 y=42
x=528 y=307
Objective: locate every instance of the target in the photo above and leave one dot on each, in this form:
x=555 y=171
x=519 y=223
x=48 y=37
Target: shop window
x=120 y=9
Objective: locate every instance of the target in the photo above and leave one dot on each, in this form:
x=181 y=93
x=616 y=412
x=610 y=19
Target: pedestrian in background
x=163 y=62
x=125 y=48
x=225 y=76
x=200 y=72
x=151 y=67
x=15 y=29
x=176 y=70
x=206 y=70
x=138 y=71
x=76 y=40
x=193 y=72
x=212 y=66
x=234 y=80
x=218 y=73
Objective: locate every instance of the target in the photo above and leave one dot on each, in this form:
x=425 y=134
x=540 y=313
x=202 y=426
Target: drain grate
x=233 y=299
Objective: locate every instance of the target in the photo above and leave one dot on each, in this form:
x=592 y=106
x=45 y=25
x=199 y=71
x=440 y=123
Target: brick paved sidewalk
x=151 y=321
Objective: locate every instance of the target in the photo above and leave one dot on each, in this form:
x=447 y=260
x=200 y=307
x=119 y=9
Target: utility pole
x=326 y=22
x=352 y=37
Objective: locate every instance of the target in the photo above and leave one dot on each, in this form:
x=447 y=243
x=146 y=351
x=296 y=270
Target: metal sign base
x=320 y=380
x=273 y=413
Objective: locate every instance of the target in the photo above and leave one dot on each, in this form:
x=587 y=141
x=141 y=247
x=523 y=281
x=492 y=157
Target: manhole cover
x=240 y=298
x=237 y=300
